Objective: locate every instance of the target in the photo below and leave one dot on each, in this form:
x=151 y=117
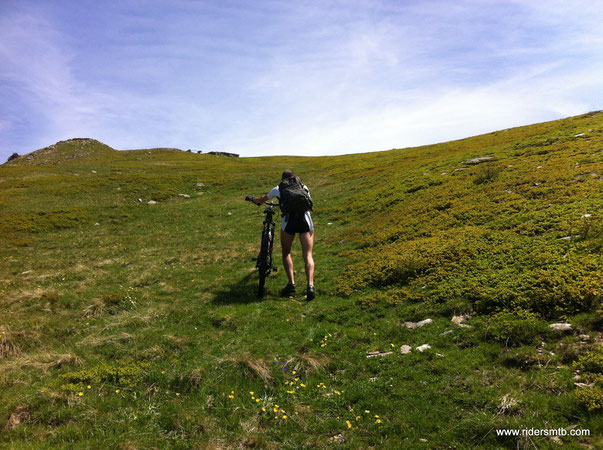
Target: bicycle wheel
x=263 y=264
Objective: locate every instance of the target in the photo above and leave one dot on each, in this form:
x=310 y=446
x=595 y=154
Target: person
x=293 y=223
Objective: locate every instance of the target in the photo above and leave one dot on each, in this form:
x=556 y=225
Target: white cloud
x=298 y=78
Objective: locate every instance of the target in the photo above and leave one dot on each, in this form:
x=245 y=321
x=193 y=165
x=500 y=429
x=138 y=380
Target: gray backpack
x=293 y=197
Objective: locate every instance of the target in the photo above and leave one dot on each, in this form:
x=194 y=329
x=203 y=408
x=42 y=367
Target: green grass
x=128 y=325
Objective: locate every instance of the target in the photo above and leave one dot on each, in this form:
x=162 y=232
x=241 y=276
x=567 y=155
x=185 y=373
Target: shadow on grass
x=243 y=291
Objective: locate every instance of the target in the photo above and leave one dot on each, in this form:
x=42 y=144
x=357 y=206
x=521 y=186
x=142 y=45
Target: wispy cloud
x=276 y=77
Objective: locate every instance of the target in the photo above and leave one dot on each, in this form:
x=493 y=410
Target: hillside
x=127 y=324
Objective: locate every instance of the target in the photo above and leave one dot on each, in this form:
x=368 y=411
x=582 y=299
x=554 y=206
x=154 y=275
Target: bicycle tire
x=263 y=263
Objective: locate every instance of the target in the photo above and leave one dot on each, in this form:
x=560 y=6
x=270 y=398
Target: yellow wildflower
x=80 y=394
x=117 y=391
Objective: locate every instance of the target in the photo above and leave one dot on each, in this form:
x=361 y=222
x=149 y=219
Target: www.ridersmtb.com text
x=541 y=432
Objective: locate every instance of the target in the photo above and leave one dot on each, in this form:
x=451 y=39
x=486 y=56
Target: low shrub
x=516 y=327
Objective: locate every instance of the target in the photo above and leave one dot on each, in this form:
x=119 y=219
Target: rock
x=586 y=216
x=405 y=349
x=464 y=325
x=579 y=134
x=411 y=325
x=330 y=223
x=423 y=347
x=569 y=238
x=230 y=214
x=140 y=200
x=151 y=202
x=94 y=171
x=231 y=155
x=481 y=159
x=423 y=440
x=184 y=195
x=444 y=173
x=440 y=355
x=377 y=353
x=446 y=333
x=584 y=337
x=26 y=272
x=584 y=385
x=96 y=224
x=200 y=184
x=560 y=326
x=459 y=319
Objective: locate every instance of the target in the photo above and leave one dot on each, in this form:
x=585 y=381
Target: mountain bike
x=264 y=262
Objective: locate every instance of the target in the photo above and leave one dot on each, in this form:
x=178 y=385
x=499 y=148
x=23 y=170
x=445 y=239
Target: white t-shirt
x=275 y=192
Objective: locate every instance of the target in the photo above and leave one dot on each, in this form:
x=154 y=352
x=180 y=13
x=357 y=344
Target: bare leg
x=286 y=243
x=307 y=242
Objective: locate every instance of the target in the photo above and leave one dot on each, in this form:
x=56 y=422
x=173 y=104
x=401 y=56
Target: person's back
x=296 y=204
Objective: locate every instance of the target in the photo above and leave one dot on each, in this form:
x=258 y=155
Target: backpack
x=294 y=198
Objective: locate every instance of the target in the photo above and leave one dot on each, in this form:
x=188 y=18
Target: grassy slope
x=156 y=302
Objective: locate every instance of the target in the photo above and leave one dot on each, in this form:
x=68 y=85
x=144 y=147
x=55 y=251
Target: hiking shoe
x=288 y=290
x=310 y=293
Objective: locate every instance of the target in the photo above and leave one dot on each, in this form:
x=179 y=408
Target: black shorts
x=296 y=223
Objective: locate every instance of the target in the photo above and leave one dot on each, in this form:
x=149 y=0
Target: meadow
x=132 y=325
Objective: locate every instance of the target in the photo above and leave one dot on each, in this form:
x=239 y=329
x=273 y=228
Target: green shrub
x=516 y=327
x=591 y=362
x=591 y=398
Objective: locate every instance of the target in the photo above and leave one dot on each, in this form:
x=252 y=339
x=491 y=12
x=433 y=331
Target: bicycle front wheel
x=264 y=262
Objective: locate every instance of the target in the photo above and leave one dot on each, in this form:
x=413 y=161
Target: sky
x=281 y=77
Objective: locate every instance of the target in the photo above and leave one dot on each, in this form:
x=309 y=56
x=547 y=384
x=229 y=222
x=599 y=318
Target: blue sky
x=269 y=77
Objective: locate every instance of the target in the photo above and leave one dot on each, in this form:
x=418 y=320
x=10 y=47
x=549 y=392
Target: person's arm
x=260 y=200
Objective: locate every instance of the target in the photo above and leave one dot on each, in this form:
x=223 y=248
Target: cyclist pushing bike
x=296 y=204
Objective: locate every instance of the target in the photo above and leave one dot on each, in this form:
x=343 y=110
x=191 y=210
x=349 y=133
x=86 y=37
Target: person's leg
x=286 y=243
x=307 y=242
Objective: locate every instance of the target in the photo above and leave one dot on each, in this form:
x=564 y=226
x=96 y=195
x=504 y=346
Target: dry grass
x=20 y=416
x=314 y=364
x=39 y=361
x=251 y=366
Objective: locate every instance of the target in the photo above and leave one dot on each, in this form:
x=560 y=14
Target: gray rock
x=561 y=326
x=411 y=325
x=446 y=333
x=481 y=159
x=459 y=319
x=375 y=354
x=151 y=202
x=184 y=195
x=423 y=347
x=405 y=349
x=200 y=184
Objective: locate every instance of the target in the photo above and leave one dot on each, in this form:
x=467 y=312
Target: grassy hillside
x=126 y=324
